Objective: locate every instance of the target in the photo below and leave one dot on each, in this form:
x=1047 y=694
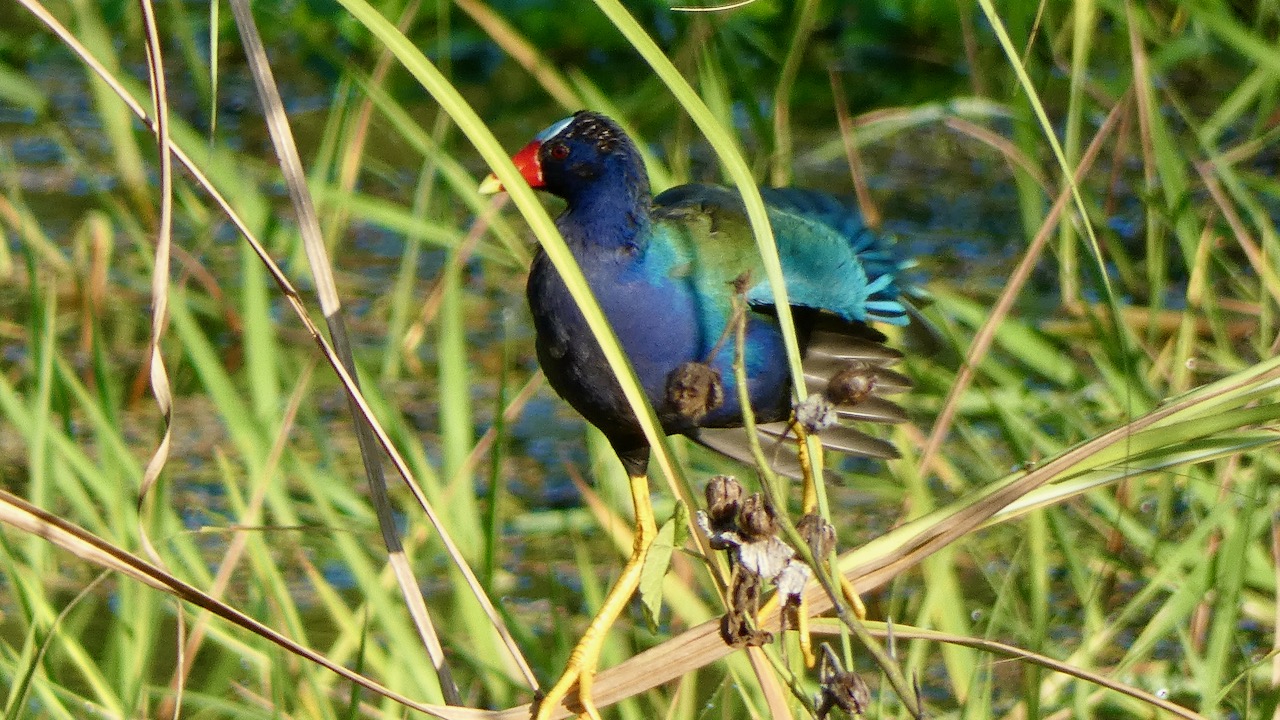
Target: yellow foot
x=546 y=707
x=585 y=658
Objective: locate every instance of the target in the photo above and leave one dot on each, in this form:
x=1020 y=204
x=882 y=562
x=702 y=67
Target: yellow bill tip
x=490 y=186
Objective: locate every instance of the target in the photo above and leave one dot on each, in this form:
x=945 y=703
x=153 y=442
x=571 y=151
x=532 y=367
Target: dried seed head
x=841 y=689
x=724 y=500
x=757 y=519
x=693 y=390
x=819 y=534
x=791 y=581
x=851 y=385
x=816 y=413
x=737 y=628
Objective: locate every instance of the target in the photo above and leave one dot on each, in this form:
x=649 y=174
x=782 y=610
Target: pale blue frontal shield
x=554 y=130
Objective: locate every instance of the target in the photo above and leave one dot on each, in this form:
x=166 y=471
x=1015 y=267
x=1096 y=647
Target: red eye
x=559 y=151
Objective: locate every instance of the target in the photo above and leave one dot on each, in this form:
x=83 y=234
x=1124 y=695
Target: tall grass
x=1082 y=523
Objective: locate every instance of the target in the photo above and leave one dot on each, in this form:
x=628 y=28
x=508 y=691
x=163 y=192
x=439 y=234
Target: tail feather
x=873 y=409
x=834 y=348
x=783 y=458
x=888 y=382
x=838 y=438
x=828 y=341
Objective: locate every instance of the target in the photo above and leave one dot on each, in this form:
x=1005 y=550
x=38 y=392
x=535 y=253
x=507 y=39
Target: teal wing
x=830 y=259
x=830 y=262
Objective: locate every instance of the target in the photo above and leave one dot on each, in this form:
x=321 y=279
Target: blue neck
x=609 y=211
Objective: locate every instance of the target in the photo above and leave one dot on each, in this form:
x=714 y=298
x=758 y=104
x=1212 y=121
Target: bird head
x=578 y=155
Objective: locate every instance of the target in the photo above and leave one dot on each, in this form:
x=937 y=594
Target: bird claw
x=577 y=673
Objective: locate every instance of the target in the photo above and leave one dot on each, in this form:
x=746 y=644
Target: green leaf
x=656 y=564
x=680 y=516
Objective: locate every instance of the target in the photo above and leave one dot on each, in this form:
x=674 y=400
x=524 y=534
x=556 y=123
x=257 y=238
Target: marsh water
x=948 y=195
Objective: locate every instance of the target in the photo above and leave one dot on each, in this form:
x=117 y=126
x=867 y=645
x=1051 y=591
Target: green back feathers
x=831 y=261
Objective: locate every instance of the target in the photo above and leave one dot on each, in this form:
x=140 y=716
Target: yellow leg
x=802 y=625
x=809 y=500
x=586 y=656
x=851 y=595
